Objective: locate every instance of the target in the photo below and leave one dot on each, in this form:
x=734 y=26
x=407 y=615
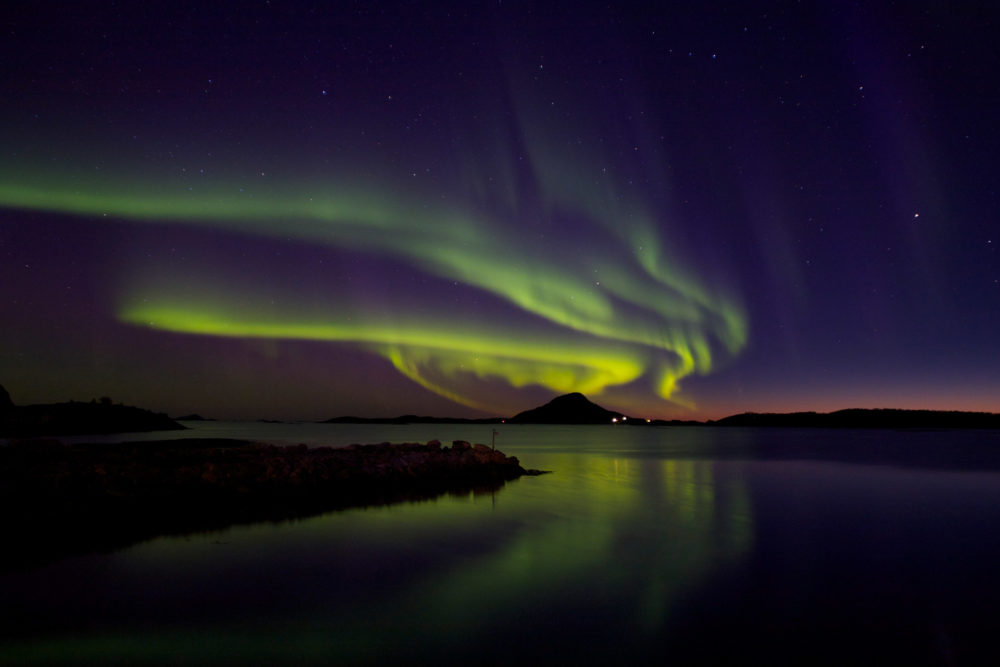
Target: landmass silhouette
x=862 y=418
x=76 y=418
x=572 y=408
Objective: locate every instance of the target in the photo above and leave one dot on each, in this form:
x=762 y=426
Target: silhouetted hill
x=858 y=418
x=572 y=408
x=77 y=419
x=568 y=409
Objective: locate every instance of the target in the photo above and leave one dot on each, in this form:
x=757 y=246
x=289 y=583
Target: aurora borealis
x=645 y=319
x=297 y=211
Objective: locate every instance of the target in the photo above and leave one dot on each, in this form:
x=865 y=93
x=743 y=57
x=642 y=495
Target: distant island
x=572 y=408
x=193 y=418
x=76 y=418
x=859 y=418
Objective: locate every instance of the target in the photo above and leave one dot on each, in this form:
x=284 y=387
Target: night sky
x=300 y=210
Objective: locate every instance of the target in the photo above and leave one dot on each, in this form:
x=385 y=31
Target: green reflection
x=620 y=537
x=638 y=533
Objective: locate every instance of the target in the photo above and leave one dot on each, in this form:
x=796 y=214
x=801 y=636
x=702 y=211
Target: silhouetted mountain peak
x=5 y=402
x=572 y=408
x=569 y=399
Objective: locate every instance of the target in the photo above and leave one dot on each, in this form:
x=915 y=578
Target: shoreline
x=60 y=499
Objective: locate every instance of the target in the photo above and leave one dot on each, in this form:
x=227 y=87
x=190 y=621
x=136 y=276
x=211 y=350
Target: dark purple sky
x=291 y=211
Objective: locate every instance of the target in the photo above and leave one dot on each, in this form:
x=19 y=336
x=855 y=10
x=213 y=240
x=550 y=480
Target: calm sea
x=645 y=545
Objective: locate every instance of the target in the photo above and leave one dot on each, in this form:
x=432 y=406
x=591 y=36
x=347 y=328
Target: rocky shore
x=57 y=499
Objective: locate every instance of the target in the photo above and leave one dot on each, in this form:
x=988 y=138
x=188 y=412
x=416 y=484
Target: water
x=645 y=545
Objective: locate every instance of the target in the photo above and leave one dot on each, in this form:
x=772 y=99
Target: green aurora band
x=641 y=317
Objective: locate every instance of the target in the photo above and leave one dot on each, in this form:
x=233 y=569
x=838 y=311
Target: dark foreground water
x=646 y=545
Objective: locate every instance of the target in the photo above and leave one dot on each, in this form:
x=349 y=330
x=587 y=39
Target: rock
x=484 y=454
x=434 y=444
x=480 y=456
x=197 y=470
